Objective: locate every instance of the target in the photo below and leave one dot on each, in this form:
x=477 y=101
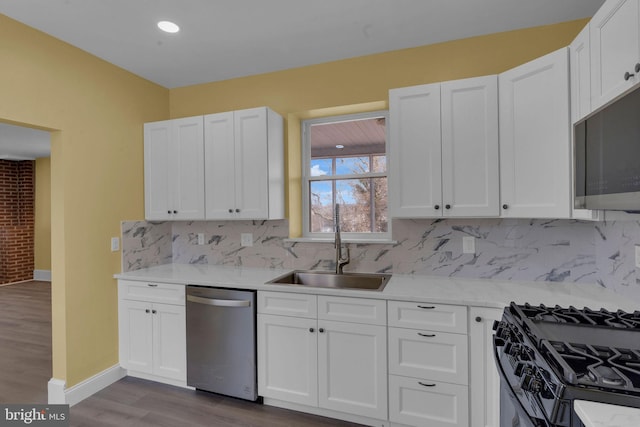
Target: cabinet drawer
x=287 y=304
x=151 y=292
x=438 y=356
x=433 y=317
x=354 y=310
x=416 y=402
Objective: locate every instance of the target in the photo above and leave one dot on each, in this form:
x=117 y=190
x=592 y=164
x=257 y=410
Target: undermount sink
x=327 y=279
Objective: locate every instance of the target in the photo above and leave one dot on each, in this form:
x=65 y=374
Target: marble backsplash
x=516 y=249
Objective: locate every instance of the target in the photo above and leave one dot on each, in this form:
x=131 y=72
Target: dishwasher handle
x=219 y=302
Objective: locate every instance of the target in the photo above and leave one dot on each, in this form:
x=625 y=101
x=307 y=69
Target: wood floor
x=25 y=369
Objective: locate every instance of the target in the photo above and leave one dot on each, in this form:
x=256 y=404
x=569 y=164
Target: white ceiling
x=223 y=39
x=20 y=143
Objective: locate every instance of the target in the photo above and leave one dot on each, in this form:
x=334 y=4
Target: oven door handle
x=219 y=302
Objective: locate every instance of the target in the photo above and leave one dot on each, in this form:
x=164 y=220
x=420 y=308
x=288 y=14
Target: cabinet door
x=251 y=173
x=422 y=403
x=470 y=175
x=485 y=382
x=169 y=341
x=352 y=368
x=157 y=157
x=615 y=49
x=219 y=166
x=580 y=65
x=415 y=152
x=187 y=173
x=135 y=327
x=535 y=176
x=288 y=359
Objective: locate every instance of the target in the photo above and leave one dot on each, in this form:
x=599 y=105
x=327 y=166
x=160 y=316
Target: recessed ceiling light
x=168 y=27
x=340 y=146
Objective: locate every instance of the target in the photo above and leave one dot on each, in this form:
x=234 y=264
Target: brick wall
x=17 y=199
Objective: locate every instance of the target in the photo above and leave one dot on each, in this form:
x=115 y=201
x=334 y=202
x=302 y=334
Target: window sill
x=331 y=240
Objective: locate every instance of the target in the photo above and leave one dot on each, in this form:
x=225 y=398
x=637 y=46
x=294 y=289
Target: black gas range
x=547 y=357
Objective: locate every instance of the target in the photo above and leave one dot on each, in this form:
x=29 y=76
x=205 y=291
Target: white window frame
x=306 y=177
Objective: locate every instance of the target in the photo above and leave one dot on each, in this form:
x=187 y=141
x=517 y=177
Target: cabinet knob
x=505 y=206
x=311 y=330
x=169 y=212
x=237 y=210
x=628 y=75
x=447 y=206
x=153 y=311
x=436 y=207
x=175 y=212
x=321 y=330
x=147 y=310
x=478 y=319
x=230 y=210
x=637 y=67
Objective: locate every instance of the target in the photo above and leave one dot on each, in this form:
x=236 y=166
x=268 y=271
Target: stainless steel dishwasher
x=221 y=341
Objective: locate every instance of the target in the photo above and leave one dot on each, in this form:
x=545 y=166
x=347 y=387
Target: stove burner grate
x=585 y=316
x=597 y=366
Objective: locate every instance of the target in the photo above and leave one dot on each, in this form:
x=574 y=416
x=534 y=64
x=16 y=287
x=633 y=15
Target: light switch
x=638 y=256
x=201 y=238
x=115 y=244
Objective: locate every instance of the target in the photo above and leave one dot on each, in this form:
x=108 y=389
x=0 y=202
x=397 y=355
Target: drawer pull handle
x=427 y=307
x=426 y=335
x=425 y=384
x=152 y=285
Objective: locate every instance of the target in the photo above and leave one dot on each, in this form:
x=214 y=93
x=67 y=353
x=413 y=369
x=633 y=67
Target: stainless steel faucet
x=340 y=262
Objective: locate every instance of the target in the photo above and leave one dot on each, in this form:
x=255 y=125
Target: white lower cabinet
x=309 y=360
x=152 y=334
x=485 y=382
x=428 y=364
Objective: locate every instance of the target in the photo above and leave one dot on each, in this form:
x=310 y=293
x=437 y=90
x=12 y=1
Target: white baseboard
x=44 y=275
x=59 y=394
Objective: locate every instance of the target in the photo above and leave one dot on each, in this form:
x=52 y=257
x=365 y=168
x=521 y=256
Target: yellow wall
x=296 y=92
x=96 y=112
x=42 y=226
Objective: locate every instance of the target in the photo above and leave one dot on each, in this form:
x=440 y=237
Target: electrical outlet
x=638 y=256
x=246 y=239
x=115 y=244
x=468 y=245
x=201 y=238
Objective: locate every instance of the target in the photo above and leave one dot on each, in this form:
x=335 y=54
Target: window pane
x=379 y=164
x=354 y=196
x=352 y=165
x=321 y=203
x=380 y=211
x=320 y=167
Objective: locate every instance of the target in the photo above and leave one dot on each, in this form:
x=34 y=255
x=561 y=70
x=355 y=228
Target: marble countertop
x=594 y=414
x=435 y=289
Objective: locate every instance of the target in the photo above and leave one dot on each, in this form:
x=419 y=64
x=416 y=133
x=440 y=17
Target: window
x=345 y=162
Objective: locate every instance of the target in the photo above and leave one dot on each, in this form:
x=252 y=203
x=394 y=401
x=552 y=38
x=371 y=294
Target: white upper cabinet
x=580 y=65
x=535 y=164
x=444 y=149
x=244 y=164
x=615 y=50
x=174 y=169
x=415 y=151
x=470 y=151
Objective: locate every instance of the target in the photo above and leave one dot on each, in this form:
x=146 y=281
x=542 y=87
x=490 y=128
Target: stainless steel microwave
x=607 y=157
